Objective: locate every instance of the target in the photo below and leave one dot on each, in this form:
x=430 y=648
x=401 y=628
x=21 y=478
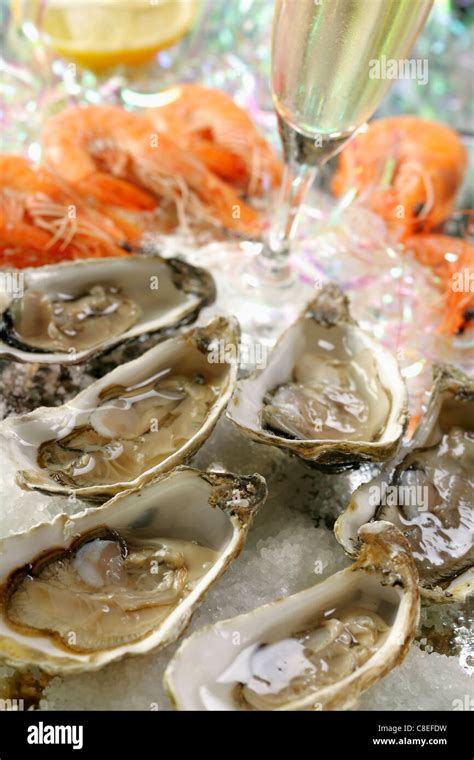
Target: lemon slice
x=110 y=32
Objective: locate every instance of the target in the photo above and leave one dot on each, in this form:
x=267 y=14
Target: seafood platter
x=293 y=531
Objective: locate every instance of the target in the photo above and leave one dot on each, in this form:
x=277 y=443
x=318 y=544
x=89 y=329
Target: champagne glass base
x=266 y=273
x=264 y=301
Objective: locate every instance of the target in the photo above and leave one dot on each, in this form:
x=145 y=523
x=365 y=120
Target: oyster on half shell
x=330 y=392
x=318 y=649
x=125 y=578
x=428 y=492
x=143 y=418
x=70 y=311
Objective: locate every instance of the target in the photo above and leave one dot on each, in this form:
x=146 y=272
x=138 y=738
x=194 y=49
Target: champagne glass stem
x=304 y=155
x=297 y=181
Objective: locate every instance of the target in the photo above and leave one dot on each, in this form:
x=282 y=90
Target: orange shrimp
x=118 y=158
x=211 y=125
x=452 y=262
x=40 y=221
x=409 y=168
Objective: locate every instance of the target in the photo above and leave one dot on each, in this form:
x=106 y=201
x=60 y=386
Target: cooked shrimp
x=409 y=169
x=118 y=158
x=211 y=125
x=452 y=262
x=41 y=221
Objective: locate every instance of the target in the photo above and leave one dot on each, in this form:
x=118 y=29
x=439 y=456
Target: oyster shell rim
x=329 y=308
x=19 y=352
x=446 y=379
x=381 y=540
x=21 y=656
x=201 y=336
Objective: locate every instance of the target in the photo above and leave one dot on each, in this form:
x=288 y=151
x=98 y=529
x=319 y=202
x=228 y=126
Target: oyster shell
x=125 y=578
x=428 y=492
x=330 y=392
x=318 y=649
x=143 y=418
x=70 y=311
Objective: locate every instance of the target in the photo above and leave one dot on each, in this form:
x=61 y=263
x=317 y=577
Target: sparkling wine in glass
x=325 y=86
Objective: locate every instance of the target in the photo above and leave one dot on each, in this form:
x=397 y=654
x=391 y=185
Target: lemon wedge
x=109 y=32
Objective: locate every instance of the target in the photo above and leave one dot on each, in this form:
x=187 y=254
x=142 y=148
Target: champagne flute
x=325 y=87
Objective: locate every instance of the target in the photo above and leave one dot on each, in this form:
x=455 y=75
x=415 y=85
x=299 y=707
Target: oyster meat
x=138 y=582
x=319 y=649
x=59 y=323
x=144 y=417
x=330 y=392
x=428 y=492
x=123 y=578
x=70 y=311
x=274 y=675
x=334 y=399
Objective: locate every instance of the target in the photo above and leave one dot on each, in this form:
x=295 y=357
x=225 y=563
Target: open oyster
x=319 y=649
x=70 y=311
x=144 y=417
x=80 y=592
x=428 y=492
x=330 y=392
